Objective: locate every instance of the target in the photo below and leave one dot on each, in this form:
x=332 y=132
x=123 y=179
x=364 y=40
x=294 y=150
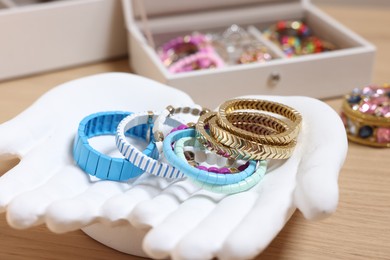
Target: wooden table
x=360 y=229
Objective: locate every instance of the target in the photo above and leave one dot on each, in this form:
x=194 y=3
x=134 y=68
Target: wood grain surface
x=360 y=228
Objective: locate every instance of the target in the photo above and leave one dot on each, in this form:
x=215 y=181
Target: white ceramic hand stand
x=153 y=216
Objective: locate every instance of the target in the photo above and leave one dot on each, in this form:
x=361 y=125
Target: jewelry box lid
x=155 y=8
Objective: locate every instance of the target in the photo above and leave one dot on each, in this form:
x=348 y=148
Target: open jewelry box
x=42 y=35
x=319 y=75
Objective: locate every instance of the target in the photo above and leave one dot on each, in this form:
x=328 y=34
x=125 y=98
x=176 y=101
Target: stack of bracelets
x=366 y=115
x=198 y=51
x=188 y=53
x=224 y=152
x=295 y=38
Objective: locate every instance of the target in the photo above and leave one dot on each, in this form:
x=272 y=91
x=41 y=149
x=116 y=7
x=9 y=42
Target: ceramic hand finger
x=151 y=212
x=71 y=214
x=118 y=208
x=325 y=144
x=125 y=96
x=35 y=169
x=164 y=237
x=205 y=239
x=270 y=212
x=67 y=104
x=29 y=208
x=21 y=134
x=326 y=147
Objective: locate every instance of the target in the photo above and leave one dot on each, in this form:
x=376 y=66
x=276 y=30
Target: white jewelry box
x=39 y=35
x=320 y=75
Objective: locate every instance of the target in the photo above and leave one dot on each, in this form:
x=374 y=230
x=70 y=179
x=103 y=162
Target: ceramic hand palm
x=169 y=218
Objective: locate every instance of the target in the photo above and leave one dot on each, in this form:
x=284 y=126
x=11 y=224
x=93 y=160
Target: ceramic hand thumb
x=326 y=146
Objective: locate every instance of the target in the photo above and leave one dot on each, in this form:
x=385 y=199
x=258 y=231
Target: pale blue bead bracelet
x=240 y=186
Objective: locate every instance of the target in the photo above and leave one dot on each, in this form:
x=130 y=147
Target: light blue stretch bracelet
x=98 y=164
x=241 y=186
x=197 y=174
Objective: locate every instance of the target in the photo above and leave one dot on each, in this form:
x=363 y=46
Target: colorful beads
x=295 y=38
x=199 y=51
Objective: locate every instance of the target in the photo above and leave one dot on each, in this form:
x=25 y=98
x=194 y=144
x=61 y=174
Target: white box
x=320 y=75
x=37 y=36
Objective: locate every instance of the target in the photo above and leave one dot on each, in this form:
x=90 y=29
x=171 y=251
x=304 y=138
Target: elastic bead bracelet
x=183 y=46
x=139 y=159
x=294 y=117
x=241 y=186
x=192 y=141
x=295 y=38
x=200 y=175
x=98 y=164
x=204 y=138
x=248 y=150
x=197 y=61
x=257 y=123
x=268 y=151
x=292 y=28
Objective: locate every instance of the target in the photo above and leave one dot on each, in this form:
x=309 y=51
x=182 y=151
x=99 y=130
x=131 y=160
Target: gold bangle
x=248 y=150
x=366 y=116
x=257 y=123
x=258 y=150
x=291 y=133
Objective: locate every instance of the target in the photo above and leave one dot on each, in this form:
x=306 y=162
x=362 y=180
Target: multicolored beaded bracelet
x=198 y=174
x=295 y=38
x=237 y=187
x=197 y=61
x=240 y=186
x=183 y=46
x=366 y=115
